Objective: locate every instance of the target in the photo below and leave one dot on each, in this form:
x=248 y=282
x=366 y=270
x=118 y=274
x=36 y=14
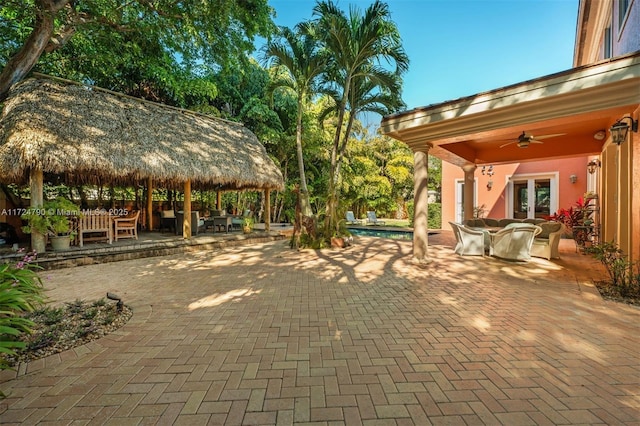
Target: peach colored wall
x=495 y=199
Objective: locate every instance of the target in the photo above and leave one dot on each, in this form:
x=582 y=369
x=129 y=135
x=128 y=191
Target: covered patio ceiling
x=573 y=105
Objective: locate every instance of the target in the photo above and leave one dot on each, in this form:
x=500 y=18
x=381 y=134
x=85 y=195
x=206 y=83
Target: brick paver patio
x=263 y=335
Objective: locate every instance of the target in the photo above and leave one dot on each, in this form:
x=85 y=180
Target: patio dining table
x=216 y=222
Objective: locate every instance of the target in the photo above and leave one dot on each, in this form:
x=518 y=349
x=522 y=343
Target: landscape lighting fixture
x=619 y=130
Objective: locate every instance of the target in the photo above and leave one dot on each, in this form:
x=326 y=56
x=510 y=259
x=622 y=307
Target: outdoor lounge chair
x=126 y=226
x=351 y=219
x=469 y=242
x=514 y=241
x=372 y=219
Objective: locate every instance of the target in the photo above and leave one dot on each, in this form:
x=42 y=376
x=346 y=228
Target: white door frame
x=530 y=178
x=460 y=198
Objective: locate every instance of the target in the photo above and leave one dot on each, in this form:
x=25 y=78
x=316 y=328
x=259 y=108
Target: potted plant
x=247 y=224
x=54 y=220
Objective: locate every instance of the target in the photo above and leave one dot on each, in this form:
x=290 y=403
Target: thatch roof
x=90 y=135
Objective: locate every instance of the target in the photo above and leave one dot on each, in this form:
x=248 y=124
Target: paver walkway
x=263 y=335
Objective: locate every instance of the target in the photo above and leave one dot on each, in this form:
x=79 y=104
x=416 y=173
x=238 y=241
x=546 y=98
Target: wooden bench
x=95 y=222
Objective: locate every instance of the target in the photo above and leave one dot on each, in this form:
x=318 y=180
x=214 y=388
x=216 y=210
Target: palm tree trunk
x=305 y=205
x=331 y=217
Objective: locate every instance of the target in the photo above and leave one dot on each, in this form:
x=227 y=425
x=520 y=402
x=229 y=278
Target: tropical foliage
x=304 y=101
x=20 y=291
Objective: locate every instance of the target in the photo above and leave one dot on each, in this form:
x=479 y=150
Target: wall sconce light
x=489 y=185
x=488 y=171
x=619 y=130
x=573 y=178
x=592 y=166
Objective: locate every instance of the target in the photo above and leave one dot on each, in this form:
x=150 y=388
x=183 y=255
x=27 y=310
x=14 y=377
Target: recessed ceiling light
x=600 y=135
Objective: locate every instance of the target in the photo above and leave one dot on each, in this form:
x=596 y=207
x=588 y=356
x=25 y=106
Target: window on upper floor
x=623 y=9
x=607 y=43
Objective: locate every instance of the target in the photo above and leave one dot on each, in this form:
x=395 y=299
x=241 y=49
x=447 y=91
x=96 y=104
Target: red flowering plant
x=573 y=218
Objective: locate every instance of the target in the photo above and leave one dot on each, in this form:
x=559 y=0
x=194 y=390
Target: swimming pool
x=384 y=233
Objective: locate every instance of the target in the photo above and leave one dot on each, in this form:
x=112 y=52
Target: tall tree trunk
x=305 y=205
x=331 y=218
x=23 y=61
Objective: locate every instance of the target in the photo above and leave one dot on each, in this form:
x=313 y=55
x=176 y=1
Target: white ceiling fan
x=524 y=139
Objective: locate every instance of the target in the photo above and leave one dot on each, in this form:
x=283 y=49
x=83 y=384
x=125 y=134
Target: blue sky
x=459 y=48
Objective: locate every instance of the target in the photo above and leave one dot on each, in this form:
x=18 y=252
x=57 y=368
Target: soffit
x=576 y=103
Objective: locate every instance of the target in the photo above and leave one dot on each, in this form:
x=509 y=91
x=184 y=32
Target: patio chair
x=168 y=220
x=514 y=241
x=546 y=243
x=351 y=219
x=372 y=219
x=197 y=224
x=237 y=221
x=469 y=242
x=126 y=226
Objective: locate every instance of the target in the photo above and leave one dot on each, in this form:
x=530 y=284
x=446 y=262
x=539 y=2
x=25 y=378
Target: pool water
x=384 y=233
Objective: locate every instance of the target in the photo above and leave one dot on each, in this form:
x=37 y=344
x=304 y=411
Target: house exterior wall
x=620 y=191
x=593 y=40
x=495 y=199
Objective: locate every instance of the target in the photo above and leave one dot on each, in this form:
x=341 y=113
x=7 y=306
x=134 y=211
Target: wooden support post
x=267 y=210
x=36 y=182
x=149 y=204
x=186 y=222
x=218 y=200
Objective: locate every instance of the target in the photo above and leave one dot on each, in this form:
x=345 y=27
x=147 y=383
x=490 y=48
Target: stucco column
x=267 y=210
x=469 y=187
x=420 y=202
x=36 y=182
x=186 y=220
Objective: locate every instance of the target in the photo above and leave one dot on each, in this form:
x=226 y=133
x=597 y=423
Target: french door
x=460 y=198
x=532 y=196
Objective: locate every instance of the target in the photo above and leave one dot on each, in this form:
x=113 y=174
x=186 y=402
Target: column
x=469 y=188
x=186 y=222
x=36 y=183
x=420 y=201
x=267 y=210
x=149 y=204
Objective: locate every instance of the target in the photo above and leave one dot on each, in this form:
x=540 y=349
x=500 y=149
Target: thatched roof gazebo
x=92 y=135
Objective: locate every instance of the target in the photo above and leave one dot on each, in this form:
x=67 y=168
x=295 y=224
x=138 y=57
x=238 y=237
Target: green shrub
x=624 y=274
x=434 y=215
x=21 y=291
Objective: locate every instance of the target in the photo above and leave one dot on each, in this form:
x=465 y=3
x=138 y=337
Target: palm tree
x=298 y=56
x=359 y=44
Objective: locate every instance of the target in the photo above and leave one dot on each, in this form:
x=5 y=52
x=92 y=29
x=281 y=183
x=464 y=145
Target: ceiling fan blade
x=548 y=136
x=509 y=143
x=535 y=141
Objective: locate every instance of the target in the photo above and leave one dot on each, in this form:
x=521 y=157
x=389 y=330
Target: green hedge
x=434 y=215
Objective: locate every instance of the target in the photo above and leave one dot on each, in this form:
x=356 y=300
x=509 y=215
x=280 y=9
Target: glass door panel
x=542 y=198
x=520 y=199
x=533 y=197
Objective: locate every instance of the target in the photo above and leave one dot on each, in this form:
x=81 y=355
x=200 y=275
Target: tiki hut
x=89 y=135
